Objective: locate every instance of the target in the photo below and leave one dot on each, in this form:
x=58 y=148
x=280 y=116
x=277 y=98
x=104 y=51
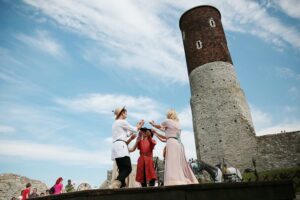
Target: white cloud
x=294 y=91
x=286 y=72
x=6 y=129
x=185 y=117
x=61 y=154
x=138 y=107
x=290 y=7
x=145 y=36
x=38 y=122
x=288 y=126
x=264 y=123
x=260 y=119
x=131 y=32
x=42 y=41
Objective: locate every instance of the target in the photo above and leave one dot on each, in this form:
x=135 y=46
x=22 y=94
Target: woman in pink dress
x=58 y=187
x=177 y=170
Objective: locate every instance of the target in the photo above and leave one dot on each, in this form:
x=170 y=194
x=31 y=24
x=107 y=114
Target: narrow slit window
x=212 y=22
x=183 y=35
x=198 y=44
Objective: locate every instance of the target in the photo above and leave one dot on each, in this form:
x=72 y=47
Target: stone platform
x=282 y=190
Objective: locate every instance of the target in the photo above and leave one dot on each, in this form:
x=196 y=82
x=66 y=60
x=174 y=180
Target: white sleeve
x=129 y=127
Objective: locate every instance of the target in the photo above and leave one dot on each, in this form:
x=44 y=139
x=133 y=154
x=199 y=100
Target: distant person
x=121 y=130
x=26 y=192
x=47 y=192
x=177 y=169
x=69 y=187
x=145 y=173
x=58 y=187
x=34 y=193
x=13 y=198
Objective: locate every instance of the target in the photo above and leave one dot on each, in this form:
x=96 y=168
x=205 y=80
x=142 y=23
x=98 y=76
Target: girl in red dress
x=145 y=167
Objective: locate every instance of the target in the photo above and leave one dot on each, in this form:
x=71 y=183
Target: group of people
x=57 y=188
x=177 y=170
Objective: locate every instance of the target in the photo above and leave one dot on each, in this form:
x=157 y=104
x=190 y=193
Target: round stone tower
x=221 y=117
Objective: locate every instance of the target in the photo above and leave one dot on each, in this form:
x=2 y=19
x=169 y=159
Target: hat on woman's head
x=118 y=111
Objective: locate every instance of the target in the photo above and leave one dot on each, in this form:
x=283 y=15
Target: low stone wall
x=11 y=185
x=278 y=151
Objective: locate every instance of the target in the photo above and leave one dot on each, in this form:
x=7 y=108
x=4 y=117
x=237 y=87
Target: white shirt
x=232 y=170
x=120 y=131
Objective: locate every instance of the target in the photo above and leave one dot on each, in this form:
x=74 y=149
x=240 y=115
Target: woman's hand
x=152 y=123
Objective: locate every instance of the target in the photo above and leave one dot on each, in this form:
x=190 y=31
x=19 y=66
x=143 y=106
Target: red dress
x=145 y=165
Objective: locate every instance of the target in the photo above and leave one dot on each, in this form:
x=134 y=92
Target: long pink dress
x=177 y=170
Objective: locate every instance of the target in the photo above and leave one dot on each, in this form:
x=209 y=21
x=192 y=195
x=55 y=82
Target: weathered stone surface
x=221 y=117
x=222 y=120
x=279 y=150
x=11 y=185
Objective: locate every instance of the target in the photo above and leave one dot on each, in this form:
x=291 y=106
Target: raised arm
x=158 y=126
x=162 y=138
x=131 y=128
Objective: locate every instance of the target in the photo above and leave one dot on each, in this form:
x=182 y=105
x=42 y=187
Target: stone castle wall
x=11 y=185
x=279 y=151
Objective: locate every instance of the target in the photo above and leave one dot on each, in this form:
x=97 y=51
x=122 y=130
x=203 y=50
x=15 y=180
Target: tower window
x=198 y=44
x=183 y=35
x=212 y=22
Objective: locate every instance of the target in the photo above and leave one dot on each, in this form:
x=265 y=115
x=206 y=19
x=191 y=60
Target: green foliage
x=277 y=174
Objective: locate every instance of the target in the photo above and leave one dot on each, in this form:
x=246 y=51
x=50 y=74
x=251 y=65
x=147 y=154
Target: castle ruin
x=222 y=120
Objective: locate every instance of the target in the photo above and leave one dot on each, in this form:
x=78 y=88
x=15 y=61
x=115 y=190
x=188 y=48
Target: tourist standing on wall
x=177 y=169
x=26 y=192
x=121 y=130
x=58 y=187
x=145 y=167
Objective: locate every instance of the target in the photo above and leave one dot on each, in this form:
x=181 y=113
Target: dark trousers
x=124 y=165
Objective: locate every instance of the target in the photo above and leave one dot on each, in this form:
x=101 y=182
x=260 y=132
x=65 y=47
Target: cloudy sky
x=65 y=65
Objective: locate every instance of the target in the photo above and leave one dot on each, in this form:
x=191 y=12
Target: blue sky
x=65 y=65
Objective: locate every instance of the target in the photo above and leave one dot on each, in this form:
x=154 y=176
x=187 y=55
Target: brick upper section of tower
x=203 y=37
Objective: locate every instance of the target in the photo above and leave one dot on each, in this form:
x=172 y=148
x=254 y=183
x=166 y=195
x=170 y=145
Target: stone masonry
x=279 y=150
x=11 y=185
x=222 y=120
x=221 y=117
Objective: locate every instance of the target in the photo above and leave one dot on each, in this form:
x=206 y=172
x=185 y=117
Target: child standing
x=145 y=166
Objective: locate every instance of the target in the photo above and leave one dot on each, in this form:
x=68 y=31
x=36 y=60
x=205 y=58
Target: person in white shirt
x=121 y=130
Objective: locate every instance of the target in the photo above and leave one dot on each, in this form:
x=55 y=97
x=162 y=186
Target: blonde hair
x=171 y=114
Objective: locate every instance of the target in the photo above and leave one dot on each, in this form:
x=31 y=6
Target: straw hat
x=118 y=111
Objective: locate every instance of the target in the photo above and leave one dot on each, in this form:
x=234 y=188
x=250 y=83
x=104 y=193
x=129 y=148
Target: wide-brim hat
x=118 y=111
